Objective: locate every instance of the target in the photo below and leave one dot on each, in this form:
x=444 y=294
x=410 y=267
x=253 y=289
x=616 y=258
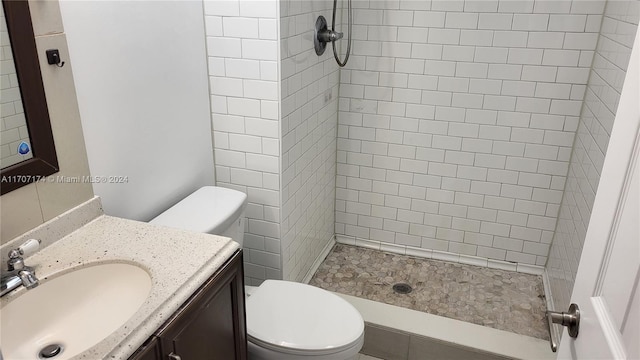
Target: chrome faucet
x=17 y=272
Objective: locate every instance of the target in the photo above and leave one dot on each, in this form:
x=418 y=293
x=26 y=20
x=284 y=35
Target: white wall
x=141 y=76
x=610 y=63
x=456 y=123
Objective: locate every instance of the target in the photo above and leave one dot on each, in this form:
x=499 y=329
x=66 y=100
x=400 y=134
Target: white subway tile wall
x=619 y=26
x=13 y=124
x=456 y=123
x=309 y=118
x=275 y=113
x=242 y=47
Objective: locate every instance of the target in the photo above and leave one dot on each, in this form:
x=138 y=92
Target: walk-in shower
x=469 y=131
x=475 y=132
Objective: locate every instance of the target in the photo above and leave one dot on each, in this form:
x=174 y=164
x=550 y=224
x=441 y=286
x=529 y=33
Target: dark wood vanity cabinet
x=210 y=325
x=150 y=350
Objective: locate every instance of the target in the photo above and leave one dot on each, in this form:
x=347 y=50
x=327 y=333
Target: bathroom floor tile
x=367 y=357
x=495 y=298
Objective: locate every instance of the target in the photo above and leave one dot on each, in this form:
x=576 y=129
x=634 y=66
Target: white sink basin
x=76 y=310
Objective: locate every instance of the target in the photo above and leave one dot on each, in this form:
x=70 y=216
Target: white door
x=606 y=286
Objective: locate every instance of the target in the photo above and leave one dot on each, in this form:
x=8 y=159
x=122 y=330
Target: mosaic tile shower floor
x=495 y=298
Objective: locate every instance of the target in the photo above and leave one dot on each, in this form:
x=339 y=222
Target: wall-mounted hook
x=53 y=58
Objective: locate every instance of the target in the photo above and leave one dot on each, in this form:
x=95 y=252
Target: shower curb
x=413 y=335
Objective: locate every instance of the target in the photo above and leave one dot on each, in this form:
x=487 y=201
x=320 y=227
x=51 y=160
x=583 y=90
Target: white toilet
x=285 y=320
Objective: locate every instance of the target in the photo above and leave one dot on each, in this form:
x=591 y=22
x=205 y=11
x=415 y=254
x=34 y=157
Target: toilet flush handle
x=173 y=356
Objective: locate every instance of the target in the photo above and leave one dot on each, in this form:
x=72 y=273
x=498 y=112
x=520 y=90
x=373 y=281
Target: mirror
x=14 y=136
x=26 y=127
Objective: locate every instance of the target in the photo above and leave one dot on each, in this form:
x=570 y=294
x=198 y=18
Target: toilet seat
x=299 y=319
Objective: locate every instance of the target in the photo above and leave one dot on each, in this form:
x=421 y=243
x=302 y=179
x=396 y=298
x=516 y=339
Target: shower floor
x=495 y=298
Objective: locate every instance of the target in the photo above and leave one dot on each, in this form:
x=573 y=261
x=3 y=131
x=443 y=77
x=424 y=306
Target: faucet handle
x=28 y=247
x=15 y=255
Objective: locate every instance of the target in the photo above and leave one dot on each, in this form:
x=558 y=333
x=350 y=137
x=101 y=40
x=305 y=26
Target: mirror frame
x=25 y=54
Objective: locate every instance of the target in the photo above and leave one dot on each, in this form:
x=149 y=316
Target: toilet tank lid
x=210 y=209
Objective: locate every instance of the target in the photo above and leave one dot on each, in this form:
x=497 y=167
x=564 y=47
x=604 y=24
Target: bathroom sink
x=74 y=311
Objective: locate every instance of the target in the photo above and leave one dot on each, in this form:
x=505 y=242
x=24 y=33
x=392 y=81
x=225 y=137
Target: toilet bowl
x=288 y=320
x=285 y=320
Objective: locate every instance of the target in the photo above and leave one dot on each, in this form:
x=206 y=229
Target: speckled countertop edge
x=178 y=262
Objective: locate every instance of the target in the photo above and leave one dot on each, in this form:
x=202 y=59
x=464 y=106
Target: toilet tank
x=210 y=209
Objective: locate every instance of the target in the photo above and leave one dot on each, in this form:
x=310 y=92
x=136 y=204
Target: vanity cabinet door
x=211 y=324
x=149 y=351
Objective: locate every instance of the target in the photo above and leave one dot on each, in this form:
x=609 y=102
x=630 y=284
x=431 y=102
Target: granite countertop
x=179 y=262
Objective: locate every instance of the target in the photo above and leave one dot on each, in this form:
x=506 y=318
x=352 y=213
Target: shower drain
x=402 y=288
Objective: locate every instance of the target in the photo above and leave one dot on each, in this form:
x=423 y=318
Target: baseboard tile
x=474 y=260
x=319 y=260
x=445 y=256
x=370 y=244
x=530 y=269
x=546 y=283
x=392 y=248
x=440 y=255
x=548 y=296
x=502 y=265
x=419 y=252
x=347 y=240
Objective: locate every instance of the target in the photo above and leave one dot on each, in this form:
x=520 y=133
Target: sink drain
x=402 y=288
x=50 y=351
